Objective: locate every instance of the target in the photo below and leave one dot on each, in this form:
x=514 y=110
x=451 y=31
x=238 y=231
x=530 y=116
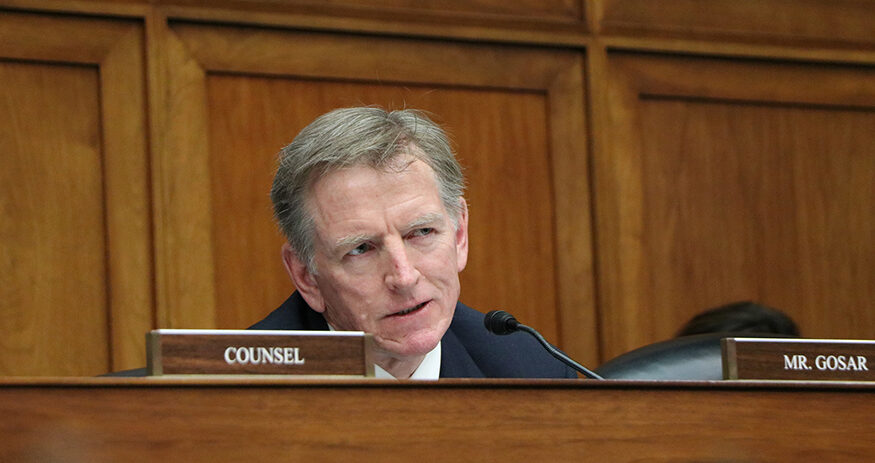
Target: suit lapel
x=456 y=362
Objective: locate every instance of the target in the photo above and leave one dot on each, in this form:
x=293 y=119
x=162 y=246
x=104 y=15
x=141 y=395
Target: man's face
x=387 y=256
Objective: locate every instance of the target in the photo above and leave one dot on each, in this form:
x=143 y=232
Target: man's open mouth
x=410 y=310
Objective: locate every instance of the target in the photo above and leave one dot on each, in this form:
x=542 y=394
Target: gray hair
x=354 y=136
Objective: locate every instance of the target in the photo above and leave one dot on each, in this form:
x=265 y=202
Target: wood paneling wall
x=724 y=180
x=515 y=133
x=76 y=271
x=630 y=162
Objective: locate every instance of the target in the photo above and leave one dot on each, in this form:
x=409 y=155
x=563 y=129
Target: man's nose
x=402 y=273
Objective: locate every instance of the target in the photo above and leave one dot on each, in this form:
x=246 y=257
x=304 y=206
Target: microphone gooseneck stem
x=558 y=354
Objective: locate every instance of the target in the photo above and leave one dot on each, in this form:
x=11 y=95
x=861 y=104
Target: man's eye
x=360 y=249
x=422 y=232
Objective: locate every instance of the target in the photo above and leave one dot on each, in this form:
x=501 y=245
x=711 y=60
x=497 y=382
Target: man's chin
x=407 y=348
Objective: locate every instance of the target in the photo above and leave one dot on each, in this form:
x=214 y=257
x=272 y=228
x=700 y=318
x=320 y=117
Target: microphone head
x=500 y=322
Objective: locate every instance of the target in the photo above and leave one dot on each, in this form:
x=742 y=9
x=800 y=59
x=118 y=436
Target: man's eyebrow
x=427 y=219
x=350 y=240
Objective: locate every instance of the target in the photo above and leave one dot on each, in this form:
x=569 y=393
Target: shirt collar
x=429 y=369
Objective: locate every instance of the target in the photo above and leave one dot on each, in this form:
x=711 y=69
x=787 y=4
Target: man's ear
x=462 y=236
x=304 y=280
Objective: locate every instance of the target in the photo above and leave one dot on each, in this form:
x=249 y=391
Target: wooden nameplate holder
x=798 y=359
x=259 y=352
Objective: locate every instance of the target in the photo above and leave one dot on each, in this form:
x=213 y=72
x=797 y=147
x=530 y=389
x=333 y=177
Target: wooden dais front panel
x=259 y=420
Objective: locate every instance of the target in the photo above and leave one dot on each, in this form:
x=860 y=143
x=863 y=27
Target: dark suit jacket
x=467 y=349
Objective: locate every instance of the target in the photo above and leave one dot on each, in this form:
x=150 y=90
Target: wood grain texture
x=128 y=188
x=822 y=30
x=572 y=203
x=251 y=50
x=53 y=233
x=736 y=181
x=76 y=195
x=126 y=420
x=183 y=222
x=843 y=23
x=48 y=37
x=543 y=9
x=531 y=22
x=519 y=133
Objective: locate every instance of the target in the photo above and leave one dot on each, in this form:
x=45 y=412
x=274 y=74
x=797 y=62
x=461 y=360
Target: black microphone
x=501 y=323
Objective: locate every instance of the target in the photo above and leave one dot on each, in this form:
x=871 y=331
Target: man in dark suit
x=371 y=203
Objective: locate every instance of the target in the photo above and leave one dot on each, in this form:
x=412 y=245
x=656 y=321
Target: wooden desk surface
x=271 y=419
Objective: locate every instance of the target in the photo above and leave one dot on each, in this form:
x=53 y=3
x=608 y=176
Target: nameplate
x=798 y=359
x=259 y=352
